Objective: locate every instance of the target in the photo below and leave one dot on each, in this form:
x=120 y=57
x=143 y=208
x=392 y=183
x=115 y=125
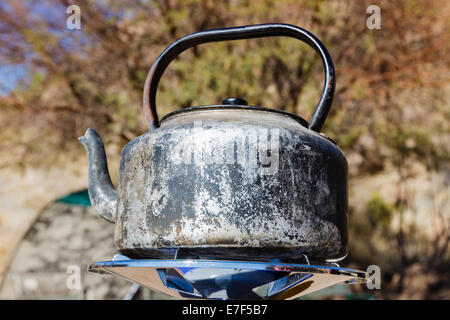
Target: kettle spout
x=102 y=193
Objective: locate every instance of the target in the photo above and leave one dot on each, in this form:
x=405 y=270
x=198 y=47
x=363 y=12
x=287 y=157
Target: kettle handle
x=236 y=33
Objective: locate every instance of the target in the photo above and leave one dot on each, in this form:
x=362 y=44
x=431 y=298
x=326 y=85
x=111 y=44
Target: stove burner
x=218 y=279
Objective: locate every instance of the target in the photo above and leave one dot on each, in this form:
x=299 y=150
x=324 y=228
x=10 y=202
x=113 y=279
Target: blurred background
x=390 y=116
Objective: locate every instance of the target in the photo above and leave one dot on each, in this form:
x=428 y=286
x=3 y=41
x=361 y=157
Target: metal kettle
x=229 y=181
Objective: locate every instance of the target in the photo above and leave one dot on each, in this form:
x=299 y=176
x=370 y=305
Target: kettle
x=229 y=181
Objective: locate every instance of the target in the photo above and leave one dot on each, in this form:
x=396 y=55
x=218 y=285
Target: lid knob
x=235 y=102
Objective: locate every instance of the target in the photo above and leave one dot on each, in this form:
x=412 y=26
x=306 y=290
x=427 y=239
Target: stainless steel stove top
x=225 y=279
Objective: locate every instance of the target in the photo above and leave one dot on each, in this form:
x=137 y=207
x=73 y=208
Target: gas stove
x=228 y=279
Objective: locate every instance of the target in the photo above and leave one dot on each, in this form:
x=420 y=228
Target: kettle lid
x=235 y=103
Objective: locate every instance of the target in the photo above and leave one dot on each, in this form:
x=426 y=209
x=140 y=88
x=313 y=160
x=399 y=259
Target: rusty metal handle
x=237 y=33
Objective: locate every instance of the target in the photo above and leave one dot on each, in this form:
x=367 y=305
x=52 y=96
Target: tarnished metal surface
x=178 y=189
x=227 y=181
x=102 y=193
